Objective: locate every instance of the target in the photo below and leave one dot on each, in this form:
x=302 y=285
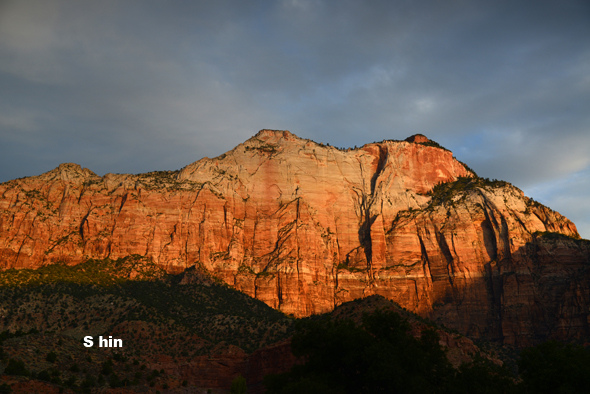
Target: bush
x=115 y=381
x=44 y=375
x=238 y=385
x=379 y=356
x=444 y=192
x=16 y=368
x=88 y=382
x=553 y=367
x=107 y=367
x=51 y=357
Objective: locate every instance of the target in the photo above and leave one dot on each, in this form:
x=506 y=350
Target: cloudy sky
x=136 y=86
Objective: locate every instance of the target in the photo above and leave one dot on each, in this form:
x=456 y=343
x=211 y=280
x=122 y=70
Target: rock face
x=417 y=138
x=305 y=227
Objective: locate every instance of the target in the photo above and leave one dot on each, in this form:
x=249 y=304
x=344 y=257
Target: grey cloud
x=136 y=86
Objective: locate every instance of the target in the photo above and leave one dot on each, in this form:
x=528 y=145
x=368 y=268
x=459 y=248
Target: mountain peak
x=417 y=138
x=304 y=227
x=275 y=136
x=70 y=172
x=265 y=133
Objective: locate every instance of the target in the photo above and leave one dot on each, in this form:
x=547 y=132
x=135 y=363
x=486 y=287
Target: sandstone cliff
x=305 y=227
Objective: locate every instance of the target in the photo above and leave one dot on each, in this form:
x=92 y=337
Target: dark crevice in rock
x=444 y=247
x=489 y=237
x=380 y=166
x=84 y=222
x=494 y=292
x=123 y=200
x=365 y=237
x=367 y=218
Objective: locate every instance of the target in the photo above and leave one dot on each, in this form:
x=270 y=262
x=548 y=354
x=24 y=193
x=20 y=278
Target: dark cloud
x=142 y=85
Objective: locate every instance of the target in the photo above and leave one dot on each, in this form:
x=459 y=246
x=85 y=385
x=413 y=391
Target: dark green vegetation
x=102 y=273
x=264 y=148
x=434 y=144
x=445 y=192
x=154 y=180
x=379 y=355
x=554 y=367
x=556 y=237
x=46 y=313
x=238 y=385
x=60 y=297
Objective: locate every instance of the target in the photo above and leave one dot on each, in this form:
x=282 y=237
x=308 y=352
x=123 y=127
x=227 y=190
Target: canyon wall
x=305 y=227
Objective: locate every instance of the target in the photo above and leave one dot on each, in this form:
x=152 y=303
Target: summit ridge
x=305 y=227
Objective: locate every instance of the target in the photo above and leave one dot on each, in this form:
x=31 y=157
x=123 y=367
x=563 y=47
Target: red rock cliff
x=305 y=227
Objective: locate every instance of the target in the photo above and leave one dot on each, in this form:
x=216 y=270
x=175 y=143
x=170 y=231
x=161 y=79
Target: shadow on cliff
x=540 y=291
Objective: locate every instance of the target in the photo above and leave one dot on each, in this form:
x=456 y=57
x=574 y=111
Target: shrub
x=554 y=367
x=378 y=356
x=51 y=357
x=44 y=375
x=16 y=368
x=107 y=367
x=238 y=385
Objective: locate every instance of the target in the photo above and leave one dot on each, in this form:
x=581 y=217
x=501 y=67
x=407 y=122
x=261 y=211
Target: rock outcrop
x=305 y=227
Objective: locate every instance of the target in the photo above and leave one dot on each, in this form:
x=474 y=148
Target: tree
x=238 y=385
x=378 y=356
x=554 y=367
x=51 y=357
x=16 y=367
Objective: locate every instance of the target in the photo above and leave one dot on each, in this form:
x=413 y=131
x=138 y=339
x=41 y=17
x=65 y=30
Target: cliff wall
x=305 y=227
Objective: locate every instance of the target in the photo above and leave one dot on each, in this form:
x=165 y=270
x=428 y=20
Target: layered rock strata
x=305 y=227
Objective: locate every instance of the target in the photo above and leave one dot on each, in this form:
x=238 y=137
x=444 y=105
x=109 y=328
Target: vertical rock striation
x=305 y=227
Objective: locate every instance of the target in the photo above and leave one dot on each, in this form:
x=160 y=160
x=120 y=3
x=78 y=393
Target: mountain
x=305 y=227
x=180 y=333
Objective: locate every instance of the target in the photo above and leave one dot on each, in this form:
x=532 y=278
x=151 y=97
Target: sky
x=137 y=86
